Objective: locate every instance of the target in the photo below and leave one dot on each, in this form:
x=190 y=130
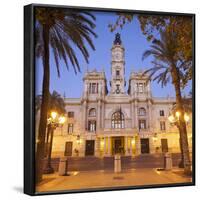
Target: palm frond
x=68 y=29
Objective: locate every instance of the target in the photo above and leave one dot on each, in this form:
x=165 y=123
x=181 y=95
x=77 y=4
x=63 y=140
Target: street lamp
x=52 y=123
x=174 y=118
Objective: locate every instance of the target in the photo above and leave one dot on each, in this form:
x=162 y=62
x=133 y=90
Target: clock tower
x=117 y=67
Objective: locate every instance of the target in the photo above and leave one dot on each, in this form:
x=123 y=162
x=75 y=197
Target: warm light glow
x=37 y=140
x=48 y=120
x=178 y=114
x=78 y=141
x=102 y=142
x=133 y=142
x=53 y=115
x=171 y=118
x=186 y=117
x=61 y=120
x=155 y=139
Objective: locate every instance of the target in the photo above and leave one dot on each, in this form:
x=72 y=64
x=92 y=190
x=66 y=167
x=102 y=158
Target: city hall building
x=129 y=122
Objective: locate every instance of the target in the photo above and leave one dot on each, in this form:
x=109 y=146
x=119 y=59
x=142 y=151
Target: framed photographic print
x=109 y=100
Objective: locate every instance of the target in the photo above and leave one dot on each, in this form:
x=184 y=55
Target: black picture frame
x=29 y=104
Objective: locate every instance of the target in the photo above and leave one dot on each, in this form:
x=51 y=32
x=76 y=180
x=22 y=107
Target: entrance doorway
x=164 y=145
x=89 y=149
x=68 y=148
x=118 y=145
x=144 y=145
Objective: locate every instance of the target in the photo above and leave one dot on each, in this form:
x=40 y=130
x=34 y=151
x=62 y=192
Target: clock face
x=117 y=91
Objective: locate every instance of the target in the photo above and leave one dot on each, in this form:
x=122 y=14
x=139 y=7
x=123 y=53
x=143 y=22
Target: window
x=92 y=112
x=117 y=120
x=142 y=124
x=93 y=88
x=70 y=114
x=142 y=112
x=92 y=125
x=117 y=72
x=162 y=113
x=70 y=128
x=140 y=87
x=162 y=126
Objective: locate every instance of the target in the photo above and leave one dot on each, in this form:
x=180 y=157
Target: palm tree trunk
x=44 y=108
x=182 y=124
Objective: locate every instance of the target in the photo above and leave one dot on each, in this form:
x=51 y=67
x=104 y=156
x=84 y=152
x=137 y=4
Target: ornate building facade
x=102 y=123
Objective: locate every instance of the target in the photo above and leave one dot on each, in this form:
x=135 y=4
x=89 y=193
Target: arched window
x=92 y=112
x=118 y=120
x=142 y=112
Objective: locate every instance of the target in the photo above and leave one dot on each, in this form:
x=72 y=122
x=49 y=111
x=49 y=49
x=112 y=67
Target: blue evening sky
x=134 y=43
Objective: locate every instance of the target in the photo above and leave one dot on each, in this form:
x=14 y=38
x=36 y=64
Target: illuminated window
x=70 y=128
x=92 y=125
x=142 y=124
x=118 y=120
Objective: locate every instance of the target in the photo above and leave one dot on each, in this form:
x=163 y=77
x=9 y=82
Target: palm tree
x=187 y=105
x=58 y=31
x=168 y=65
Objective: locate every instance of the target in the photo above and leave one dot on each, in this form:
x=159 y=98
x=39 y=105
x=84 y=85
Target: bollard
x=167 y=161
x=117 y=163
x=63 y=166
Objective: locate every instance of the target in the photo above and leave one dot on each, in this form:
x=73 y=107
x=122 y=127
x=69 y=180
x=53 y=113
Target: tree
x=59 y=30
x=56 y=103
x=38 y=100
x=151 y=25
x=168 y=65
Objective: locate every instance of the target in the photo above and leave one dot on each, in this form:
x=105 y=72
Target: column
x=131 y=146
x=102 y=115
x=133 y=115
x=138 y=145
x=126 y=145
x=150 y=115
x=109 y=145
x=99 y=115
x=97 y=147
x=84 y=124
x=105 y=146
x=151 y=145
x=136 y=115
x=86 y=89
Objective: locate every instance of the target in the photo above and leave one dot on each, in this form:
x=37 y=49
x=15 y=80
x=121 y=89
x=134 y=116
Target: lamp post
x=53 y=122
x=174 y=118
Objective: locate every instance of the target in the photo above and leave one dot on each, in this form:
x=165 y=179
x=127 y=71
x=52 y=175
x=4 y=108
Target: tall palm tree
x=168 y=66
x=58 y=31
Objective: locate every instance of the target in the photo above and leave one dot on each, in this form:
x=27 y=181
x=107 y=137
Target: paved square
x=103 y=179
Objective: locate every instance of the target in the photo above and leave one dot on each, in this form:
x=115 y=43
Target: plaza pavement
x=104 y=179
